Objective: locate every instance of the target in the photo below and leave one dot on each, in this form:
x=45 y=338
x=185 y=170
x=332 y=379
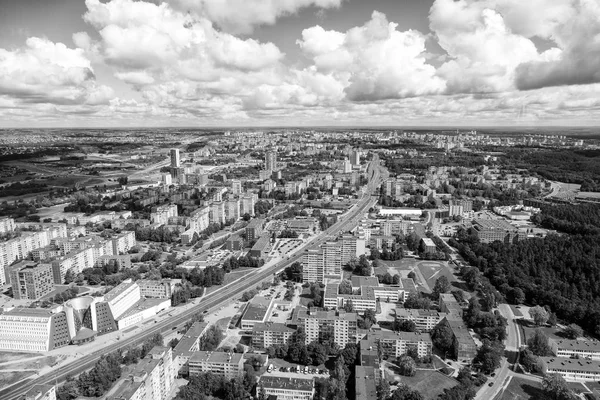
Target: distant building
x=428 y=245
x=236 y=186
x=123 y=242
x=355 y=157
x=6 y=225
x=271 y=161
x=234 y=243
x=232 y=209
x=175 y=158
x=287 y=388
x=226 y=364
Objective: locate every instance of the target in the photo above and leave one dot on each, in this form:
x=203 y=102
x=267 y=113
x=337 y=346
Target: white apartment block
x=332 y=259
x=199 y=219
x=236 y=186
x=342 y=325
x=230 y=365
x=162 y=289
x=425 y=320
x=217 y=213
x=247 y=204
x=163 y=213
x=123 y=242
x=313 y=266
x=6 y=225
x=352 y=247
x=270 y=334
x=76 y=261
x=396 y=344
x=232 y=209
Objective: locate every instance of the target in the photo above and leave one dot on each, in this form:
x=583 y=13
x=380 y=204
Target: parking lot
x=282 y=368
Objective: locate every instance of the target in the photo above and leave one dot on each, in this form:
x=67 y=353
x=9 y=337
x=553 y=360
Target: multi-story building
x=450 y=306
x=161 y=214
x=162 y=289
x=395 y=344
x=490 y=230
x=236 y=186
x=394 y=227
x=123 y=242
x=465 y=347
x=187 y=346
x=33 y=330
x=32 y=281
x=254 y=229
x=355 y=157
x=200 y=219
x=287 y=388
x=226 y=364
x=247 y=204
x=232 y=209
x=425 y=320
x=332 y=259
x=6 y=225
x=257 y=311
x=271 y=161
x=270 y=334
x=313 y=266
x=75 y=261
x=175 y=158
x=589 y=350
x=352 y=247
x=319 y=325
x=366 y=379
x=217 y=213
x=368 y=296
x=122 y=297
x=572 y=369
x=428 y=245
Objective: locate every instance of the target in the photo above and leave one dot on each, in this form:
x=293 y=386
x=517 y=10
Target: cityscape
x=299 y=200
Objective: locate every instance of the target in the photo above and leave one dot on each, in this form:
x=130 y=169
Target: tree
x=442 y=285
x=572 y=331
x=69 y=276
x=405 y=393
x=443 y=339
x=530 y=361
x=368 y=320
x=348 y=306
x=539 y=315
x=405 y=325
x=416 y=301
x=538 y=343
x=517 y=295
x=122 y=180
x=407 y=365
x=383 y=389
x=489 y=356
x=555 y=388
x=345 y=287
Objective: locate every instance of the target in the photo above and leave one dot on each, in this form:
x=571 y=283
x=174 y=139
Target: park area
x=430 y=383
x=426 y=271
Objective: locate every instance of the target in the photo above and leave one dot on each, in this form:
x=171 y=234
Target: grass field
x=521 y=389
x=432 y=270
x=6 y=357
x=429 y=383
x=34 y=364
x=10 y=378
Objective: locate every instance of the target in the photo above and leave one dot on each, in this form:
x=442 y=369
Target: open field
x=33 y=364
x=6 y=357
x=10 y=378
x=429 y=383
x=521 y=389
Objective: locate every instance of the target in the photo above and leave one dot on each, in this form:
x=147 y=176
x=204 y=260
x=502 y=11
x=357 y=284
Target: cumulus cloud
x=241 y=16
x=374 y=61
x=579 y=63
x=46 y=72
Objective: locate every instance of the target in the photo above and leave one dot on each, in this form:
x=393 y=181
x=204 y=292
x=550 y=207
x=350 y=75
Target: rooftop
x=141 y=305
x=220 y=357
x=189 y=339
x=566 y=344
x=571 y=364
x=273 y=382
x=365 y=383
x=272 y=326
x=120 y=288
x=493 y=224
x=28 y=312
x=358 y=281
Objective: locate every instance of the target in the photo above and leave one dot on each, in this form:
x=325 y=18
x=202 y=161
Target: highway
x=210 y=301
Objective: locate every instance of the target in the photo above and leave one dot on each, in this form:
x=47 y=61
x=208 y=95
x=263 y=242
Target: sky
x=203 y=63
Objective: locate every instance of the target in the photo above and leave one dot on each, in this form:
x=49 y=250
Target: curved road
x=209 y=301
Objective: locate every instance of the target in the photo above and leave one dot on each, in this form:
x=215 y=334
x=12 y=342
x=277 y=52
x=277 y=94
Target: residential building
x=352 y=247
x=187 y=346
x=395 y=344
x=236 y=186
x=450 y=306
x=355 y=157
x=123 y=242
x=332 y=259
x=365 y=383
x=31 y=281
x=175 y=158
x=33 y=330
x=465 y=347
x=287 y=388
x=199 y=219
x=161 y=289
x=247 y=204
x=227 y=364
x=161 y=214
x=319 y=324
x=270 y=334
x=217 y=213
x=254 y=229
x=368 y=296
x=428 y=245
x=76 y=261
x=232 y=209
x=271 y=161
x=425 y=320
x=6 y=225
x=313 y=266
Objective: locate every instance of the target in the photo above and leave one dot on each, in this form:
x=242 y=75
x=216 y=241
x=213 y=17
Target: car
x=493 y=374
x=491 y=384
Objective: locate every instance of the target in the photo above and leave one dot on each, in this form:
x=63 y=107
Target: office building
x=175 y=158
x=227 y=364
x=33 y=330
x=490 y=230
x=160 y=289
x=270 y=334
x=368 y=295
x=31 y=282
x=287 y=388
x=271 y=161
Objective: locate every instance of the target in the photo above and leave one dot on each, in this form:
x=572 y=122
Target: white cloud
x=47 y=72
x=241 y=16
x=374 y=61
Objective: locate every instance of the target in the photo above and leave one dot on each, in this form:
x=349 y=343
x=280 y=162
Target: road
x=212 y=300
x=512 y=345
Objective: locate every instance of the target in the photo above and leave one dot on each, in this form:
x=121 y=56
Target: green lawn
x=521 y=389
x=429 y=383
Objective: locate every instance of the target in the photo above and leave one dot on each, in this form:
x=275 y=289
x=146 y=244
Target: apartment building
x=465 y=347
x=123 y=242
x=161 y=214
x=232 y=209
x=352 y=247
x=226 y=364
x=425 y=320
x=247 y=204
x=318 y=324
x=368 y=296
x=33 y=330
x=395 y=344
x=199 y=219
x=394 y=227
x=31 y=282
x=236 y=186
x=332 y=259
x=287 y=388
x=313 y=269
x=6 y=225
x=161 y=289
x=254 y=229
x=217 y=213
x=270 y=334
x=450 y=306
x=589 y=350
x=76 y=261
x=187 y=346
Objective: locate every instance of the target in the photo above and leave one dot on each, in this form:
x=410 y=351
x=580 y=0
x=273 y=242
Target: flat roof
x=493 y=224
x=273 y=382
x=272 y=327
x=141 y=305
x=364 y=281
x=572 y=364
x=566 y=344
x=190 y=337
x=120 y=288
x=407 y=312
x=220 y=357
x=365 y=379
x=255 y=312
x=29 y=312
x=408 y=336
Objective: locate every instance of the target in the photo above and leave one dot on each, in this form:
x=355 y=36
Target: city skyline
x=124 y=63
